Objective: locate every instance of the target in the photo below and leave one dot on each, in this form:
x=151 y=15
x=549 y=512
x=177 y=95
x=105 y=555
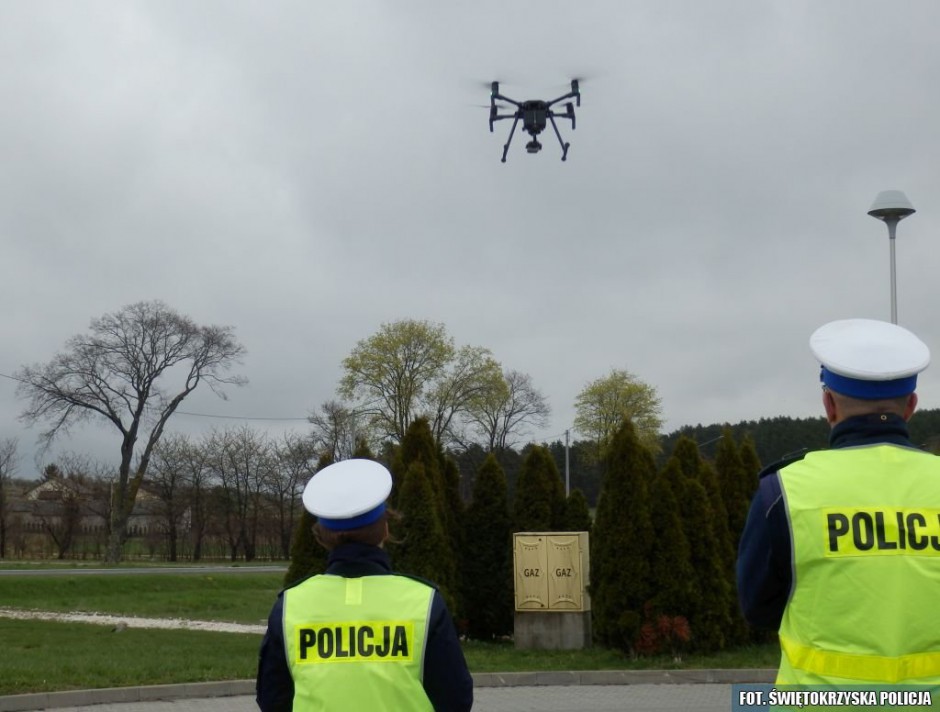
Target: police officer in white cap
x=841 y=550
x=359 y=637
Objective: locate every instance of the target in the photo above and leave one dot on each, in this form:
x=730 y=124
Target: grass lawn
x=41 y=656
x=237 y=598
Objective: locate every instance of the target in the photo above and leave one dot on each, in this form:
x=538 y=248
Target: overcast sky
x=305 y=171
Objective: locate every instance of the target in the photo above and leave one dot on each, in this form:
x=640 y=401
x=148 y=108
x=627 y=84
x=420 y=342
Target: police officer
x=359 y=637
x=841 y=549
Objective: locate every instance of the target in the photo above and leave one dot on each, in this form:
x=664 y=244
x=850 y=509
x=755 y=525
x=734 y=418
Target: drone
x=535 y=115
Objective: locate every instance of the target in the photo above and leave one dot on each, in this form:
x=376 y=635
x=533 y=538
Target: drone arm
x=564 y=146
x=569 y=95
x=511 y=132
x=499 y=97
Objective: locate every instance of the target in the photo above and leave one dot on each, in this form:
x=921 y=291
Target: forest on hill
x=774 y=439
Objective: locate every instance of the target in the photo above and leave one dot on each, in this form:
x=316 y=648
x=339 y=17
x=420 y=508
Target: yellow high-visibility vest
x=357 y=643
x=865 y=527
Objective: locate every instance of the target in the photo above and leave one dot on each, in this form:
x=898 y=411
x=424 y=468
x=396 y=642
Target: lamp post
x=892 y=206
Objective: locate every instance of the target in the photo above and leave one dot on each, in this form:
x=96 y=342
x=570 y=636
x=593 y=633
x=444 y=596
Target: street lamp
x=892 y=206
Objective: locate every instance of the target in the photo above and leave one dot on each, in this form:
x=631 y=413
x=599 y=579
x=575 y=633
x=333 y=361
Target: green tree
x=603 y=404
x=363 y=451
x=709 y=612
x=751 y=466
x=674 y=585
x=577 y=513
x=733 y=479
x=621 y=539
x=119 y=374
x=453 y=516
x=418 y=455
x=690 y=460
x=423 y=548
x=411 y=368
x=487 y=560
x=418 y=446
x=539 y=502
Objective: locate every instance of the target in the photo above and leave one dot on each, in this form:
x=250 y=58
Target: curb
x=232 y=688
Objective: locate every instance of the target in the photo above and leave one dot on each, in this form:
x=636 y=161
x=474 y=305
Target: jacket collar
x=355 y=560
x=872 y=429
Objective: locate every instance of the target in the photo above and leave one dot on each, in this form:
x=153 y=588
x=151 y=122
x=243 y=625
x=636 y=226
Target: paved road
x=575 y=698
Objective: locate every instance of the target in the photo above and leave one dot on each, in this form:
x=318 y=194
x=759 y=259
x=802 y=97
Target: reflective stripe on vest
x=865 y=527
x=357 y=643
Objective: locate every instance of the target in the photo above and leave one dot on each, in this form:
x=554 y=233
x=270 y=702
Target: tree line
x=447 y=420
x=662 y=543
x=137 y=365
x=232 y=493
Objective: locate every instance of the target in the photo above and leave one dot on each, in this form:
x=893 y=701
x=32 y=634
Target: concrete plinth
x=537 y=630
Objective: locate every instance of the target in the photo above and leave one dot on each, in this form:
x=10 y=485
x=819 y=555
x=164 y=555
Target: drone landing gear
x=509 y=141
x=564 y=146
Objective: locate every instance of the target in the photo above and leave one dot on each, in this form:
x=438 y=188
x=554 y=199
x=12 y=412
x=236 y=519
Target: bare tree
x=117 y=373
x=168 y=475
x=8 y=462
x=505 y=412
x=337 y=430
x=240 y=460
x=294 y=464
x=473 y=373
x=198 y=478
x=59 y=508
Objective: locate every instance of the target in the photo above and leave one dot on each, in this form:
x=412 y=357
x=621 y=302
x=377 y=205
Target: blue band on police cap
x=868 y=390
x=360 y=520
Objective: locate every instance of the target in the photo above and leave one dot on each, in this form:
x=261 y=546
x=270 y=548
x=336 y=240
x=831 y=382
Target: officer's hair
x=858 y=406
x=373 y=534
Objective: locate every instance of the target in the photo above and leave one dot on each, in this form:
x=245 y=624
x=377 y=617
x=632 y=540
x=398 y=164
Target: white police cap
x=348 y=494
x=869 y=359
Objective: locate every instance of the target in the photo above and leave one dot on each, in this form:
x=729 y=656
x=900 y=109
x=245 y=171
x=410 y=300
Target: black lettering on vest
x=342 y=652
x=902 y=535
x=365 y=649
x=400 y=643
x=382 y=650
x=918 y=543
x=308 y=638
x=325 y=643
x=838 y=526
x=883 y=543
x=935 y=540
x=863 y=531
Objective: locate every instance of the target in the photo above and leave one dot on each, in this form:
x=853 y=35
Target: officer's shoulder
x=418 y=579
x=296 y=583
x=784 y=461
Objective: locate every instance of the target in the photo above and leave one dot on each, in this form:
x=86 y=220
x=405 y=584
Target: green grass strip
x=38 y=656
x=41 y=656
x=238 y=598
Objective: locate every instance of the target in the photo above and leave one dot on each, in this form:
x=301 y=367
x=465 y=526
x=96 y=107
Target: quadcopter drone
x=534 y=114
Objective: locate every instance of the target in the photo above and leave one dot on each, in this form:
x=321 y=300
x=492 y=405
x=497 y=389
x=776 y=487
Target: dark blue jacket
x=447 y=680
x=764 y=568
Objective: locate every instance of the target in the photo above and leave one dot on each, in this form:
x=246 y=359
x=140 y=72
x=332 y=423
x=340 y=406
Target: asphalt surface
x=581 y=698
x=586 y=691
